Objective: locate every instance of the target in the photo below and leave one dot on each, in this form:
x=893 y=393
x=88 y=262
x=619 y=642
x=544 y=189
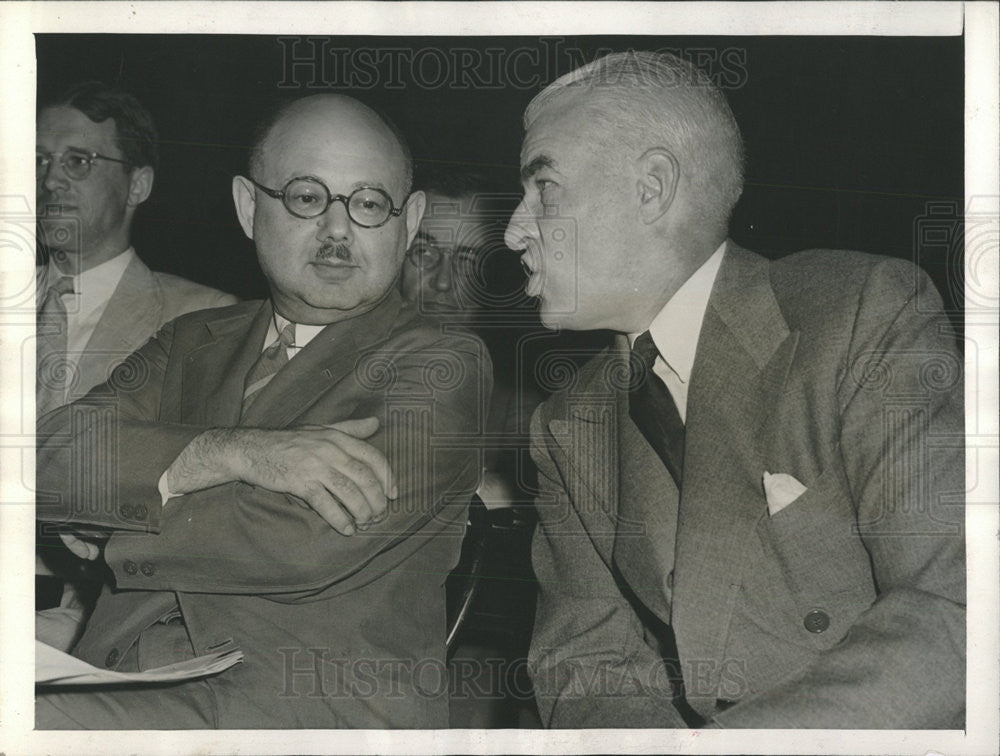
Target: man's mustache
x=340 y=251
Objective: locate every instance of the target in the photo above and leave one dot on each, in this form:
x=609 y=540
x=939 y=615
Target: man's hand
x=344 y=479
x=83 y=541
x=83 y=549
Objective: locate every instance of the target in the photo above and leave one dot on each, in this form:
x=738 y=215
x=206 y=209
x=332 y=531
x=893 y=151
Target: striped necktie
x=271 y=360
x=653 y=410
x=53 y=372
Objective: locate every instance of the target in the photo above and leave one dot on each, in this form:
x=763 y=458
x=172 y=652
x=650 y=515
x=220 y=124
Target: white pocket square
x=780 y=490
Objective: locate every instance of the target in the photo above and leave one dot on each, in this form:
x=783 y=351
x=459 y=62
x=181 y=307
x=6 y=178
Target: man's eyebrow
x=369 y=185
x=542 y=161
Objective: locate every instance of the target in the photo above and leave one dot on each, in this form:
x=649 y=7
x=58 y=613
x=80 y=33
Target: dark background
x=852 y=142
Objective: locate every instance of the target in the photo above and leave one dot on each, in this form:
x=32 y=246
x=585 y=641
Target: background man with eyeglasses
x=449 y=274
x=96 y=155
x=445 y=274
x=292 y=475
x=459 y=272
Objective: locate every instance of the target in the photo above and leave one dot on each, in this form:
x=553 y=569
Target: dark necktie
x=52 y=371
x=653 y=410
x=271 y=360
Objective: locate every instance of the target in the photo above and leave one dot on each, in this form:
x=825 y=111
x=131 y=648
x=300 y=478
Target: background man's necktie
x=52 y=371
x=653 y=410
x=271 y=360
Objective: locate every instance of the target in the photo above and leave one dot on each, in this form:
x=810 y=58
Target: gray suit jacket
x=846 y=608
x=142 y=303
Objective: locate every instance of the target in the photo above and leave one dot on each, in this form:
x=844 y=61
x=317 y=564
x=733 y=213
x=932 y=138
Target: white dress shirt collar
x=676 y=328
x=93 y=287
x=303 y=334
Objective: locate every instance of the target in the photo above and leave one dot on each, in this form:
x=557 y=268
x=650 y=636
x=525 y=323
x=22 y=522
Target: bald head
x=329 y=208
x=312 y=121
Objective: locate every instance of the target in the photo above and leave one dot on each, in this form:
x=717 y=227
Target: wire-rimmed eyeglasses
x=428 y=256
x=75 y=163
x=306 y=197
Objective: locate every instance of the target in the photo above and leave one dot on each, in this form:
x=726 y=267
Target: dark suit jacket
x=337 y=631
x=846 y=608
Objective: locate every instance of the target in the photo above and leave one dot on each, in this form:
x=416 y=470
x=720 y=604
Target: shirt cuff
x=165 y=494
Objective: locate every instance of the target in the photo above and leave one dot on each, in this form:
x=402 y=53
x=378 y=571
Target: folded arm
x=234 y=529
x=340 y=477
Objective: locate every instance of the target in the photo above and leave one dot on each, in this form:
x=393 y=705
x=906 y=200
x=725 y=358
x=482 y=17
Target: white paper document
x=53 y=667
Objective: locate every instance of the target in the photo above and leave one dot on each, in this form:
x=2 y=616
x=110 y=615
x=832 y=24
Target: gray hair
x=645 y=99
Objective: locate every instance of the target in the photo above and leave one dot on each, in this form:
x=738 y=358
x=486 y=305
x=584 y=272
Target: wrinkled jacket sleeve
x=238 y=538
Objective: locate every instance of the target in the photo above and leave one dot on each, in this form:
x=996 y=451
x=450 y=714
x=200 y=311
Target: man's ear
x=245 y=199
x=414 y=213
x=140 y=185
x=659 y=174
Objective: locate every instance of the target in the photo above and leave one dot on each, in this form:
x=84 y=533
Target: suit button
x=148 y=569
x=125 y=511
x=816 y=621
x=141 y=512
x=130 y=567
x=112 y=658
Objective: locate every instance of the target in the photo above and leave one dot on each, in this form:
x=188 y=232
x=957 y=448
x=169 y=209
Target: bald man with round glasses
x=293 y=474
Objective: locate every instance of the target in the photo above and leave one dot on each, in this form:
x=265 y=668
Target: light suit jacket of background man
x=142 y=303
x=337 y=631
x=845 y=608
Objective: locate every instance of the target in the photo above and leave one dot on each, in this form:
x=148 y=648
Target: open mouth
x=533 y=286
x=55 y=210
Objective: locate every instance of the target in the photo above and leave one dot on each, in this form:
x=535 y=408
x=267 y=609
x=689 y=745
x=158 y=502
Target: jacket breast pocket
x=813 y=553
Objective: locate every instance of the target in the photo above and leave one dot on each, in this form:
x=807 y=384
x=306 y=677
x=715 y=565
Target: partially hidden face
x=574 y=222
x=328 y=268
x=443 y=274
x=90 y=215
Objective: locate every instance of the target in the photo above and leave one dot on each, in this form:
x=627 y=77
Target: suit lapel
x=647 y=513
x=215 y=369
x=130 y=318
x=743 y=356
x=337 y=351
x=622 y=493
x=589 y=454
